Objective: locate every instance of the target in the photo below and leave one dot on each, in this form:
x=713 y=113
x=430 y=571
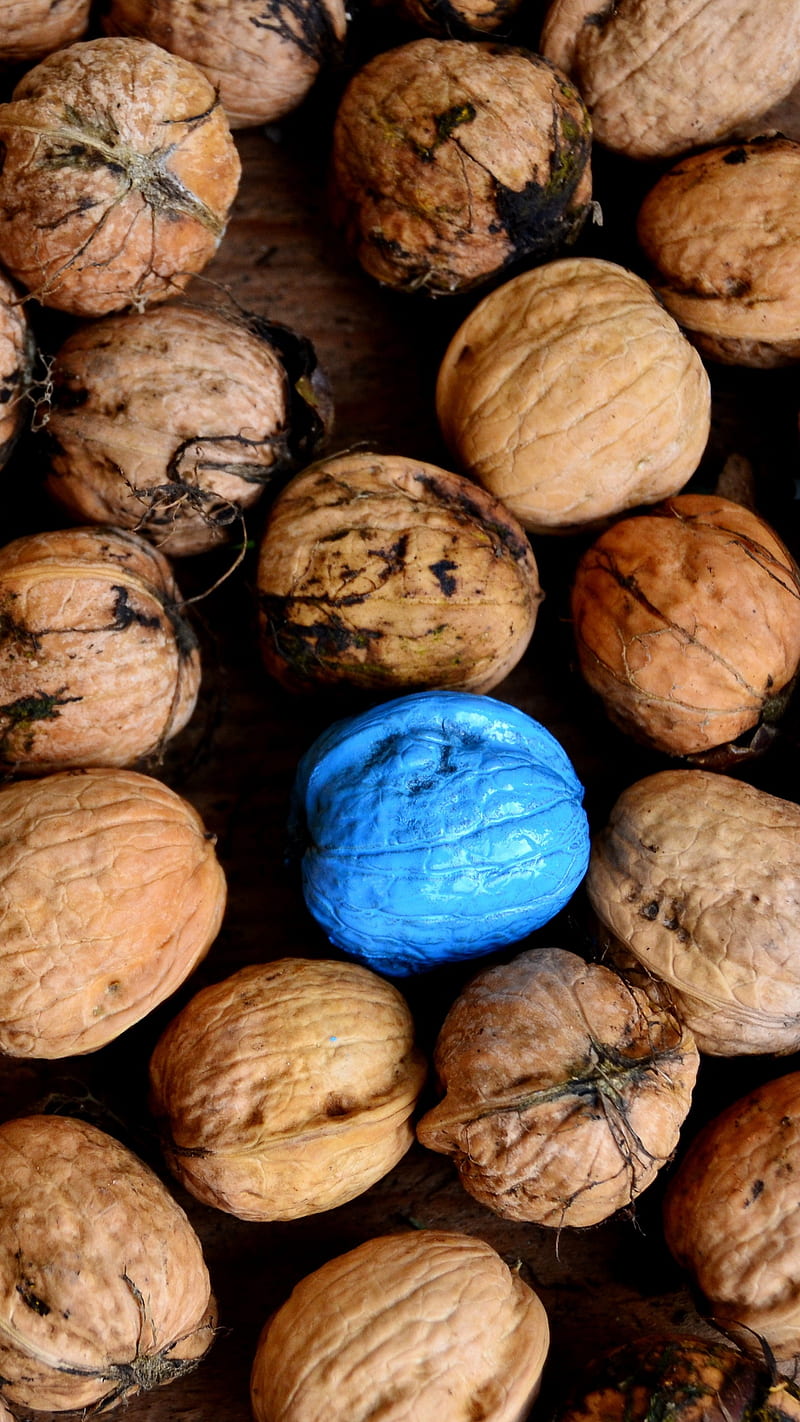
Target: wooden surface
x=236 y=763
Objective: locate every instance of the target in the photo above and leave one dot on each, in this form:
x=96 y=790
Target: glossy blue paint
x=438 y=826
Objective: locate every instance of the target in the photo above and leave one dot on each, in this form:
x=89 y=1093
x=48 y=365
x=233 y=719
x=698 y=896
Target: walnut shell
x=731 y=1218
x=17 y=352
x=572 y=395
x=687 y=623
x=262 y=58
x=288 y=1088
x=97 y=664
x=104 y=1288
x=98 y=210
x=452 y=158
x=171 y=421
x=110 y=895
x=564 y=1089
x=460 y=19
x=674 y=876
x=34 y=28
x=721 y=230
x=391 y=574
x=662 y=76
x=429 y=1326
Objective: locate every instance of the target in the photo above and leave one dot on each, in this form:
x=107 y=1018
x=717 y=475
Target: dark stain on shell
x=542 y=216
x=125 y=614
x=443 y=573
x=467 y=510
x=305 y=24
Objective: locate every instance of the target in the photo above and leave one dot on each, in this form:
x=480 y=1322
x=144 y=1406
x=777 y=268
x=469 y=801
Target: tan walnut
x=697 y=874
x=262 y=56
x=172 y=421
x=687 y=623
x=288 y=1088
x=33 y=28
x=427 y=1326
x=721 y=231
x=453 y=158
x=391 y=574
x=730 y=1218
x=111 y=893
x=100 y=210
x=17 y=351
x=105 y=1292
x=662 y=76
x=98 y=665
x=460 y=19
x=572 y=395
x=564 y=1089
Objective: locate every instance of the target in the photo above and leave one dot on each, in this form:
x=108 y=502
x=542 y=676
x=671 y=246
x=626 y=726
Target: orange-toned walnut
x=34 y=28
x=288 y=1088
x=721 y=230
x=386 y=573
x=464 y=19
x=564 y=1089
x=687 y=624
x=731 y=1218
x=453 y=158
x=117 y=177
x=98 y=665
x=110 y=895
x=662 y=76
x=105 y=1292
x=572 y=395
x=16 y=367
x=696 y=874
x=428 y=1326
x=171 y=421
x=262 y=56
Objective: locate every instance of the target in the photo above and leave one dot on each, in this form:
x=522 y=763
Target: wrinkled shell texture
x=572 y=395
x=118 y=174
x=731 y=1216
x=110 y=894
x=288 y=1088
x=97 y=665
x=452 y=158
x=387 y=573
x=721 y=231
x=34 y=28
x=103 y=1284
x=423 y=1327
x=169 y=421
x=698 y=875
x=564 y=1088
x=687 y=622
x=16 y=364
x=262 y=56
x=436 y=827
x=662 y=76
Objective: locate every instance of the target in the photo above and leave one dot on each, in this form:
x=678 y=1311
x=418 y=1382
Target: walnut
x=563 y=1089
x=105 y=1292
x=687 y=623
x=262 y=56
x=33 y=28
x=288 y=1088
x=110 y=895
x=662 y=76
x=426 y=1326
x=572 y=395
x=171 y=421
x=453 y=158
x=98 y=665
x=459 y=19
x=386 y=573
x=696 y=874
x=17 y=351
x=117 y=176
x=721 y=230
x=730 y=1218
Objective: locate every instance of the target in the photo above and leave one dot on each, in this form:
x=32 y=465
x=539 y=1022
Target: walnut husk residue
x=730 y=1218
x=416 y=1326
x=385 y=573
x=687 y=623
x=453 y=158
x=288 y=1088
x=117 y=177
x=563 y=1089
x=105 y=1292
x=697 y=875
